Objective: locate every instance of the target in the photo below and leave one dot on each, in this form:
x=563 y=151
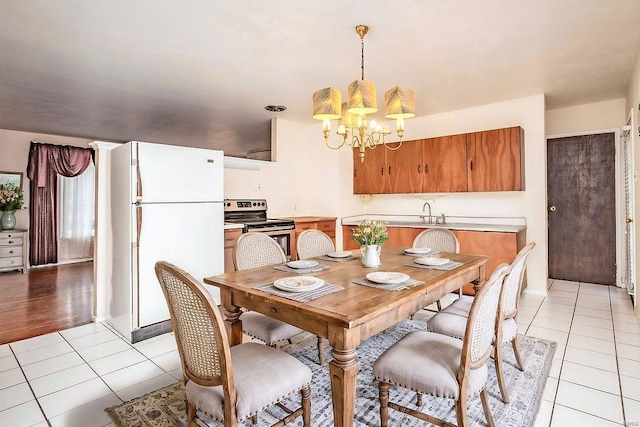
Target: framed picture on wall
x=11 y=178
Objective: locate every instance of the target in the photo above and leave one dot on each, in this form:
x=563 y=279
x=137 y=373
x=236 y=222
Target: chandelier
x=354 y=130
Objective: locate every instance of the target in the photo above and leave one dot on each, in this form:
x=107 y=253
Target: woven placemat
x=328 y=258
x=323 y=290
x=448 y=266
x=409 y=283
x=314 y=269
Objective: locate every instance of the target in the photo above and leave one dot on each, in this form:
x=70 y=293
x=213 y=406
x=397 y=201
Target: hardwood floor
x=45 y=300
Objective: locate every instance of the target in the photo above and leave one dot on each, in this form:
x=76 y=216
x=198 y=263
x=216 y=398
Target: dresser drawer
x=11 y=262
x=11 y=241
x=10 y=251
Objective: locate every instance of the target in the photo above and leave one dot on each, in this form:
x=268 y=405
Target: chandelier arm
x=386 y=144
x=344 y=140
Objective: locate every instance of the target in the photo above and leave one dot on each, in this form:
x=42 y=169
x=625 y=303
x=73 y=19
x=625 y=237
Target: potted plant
x=11 y=199
x=370 y=235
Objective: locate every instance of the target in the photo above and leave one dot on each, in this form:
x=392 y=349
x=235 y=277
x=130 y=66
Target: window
x=76 y=216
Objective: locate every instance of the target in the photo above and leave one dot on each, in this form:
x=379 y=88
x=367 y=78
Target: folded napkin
x=288 y=269
x=448 y=266
x=409 y=283
x=325 y=289
x=328 y=258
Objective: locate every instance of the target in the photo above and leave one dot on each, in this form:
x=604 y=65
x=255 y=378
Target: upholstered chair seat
x=256 y=368
x=266 y=329
x=428 y=363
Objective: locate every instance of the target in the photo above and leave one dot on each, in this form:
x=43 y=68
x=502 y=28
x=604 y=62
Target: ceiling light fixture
x=327 y=106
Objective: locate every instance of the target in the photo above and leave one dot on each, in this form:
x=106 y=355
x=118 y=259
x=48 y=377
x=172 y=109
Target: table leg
x=232 y=320
x=344 y=372
x=482 y=278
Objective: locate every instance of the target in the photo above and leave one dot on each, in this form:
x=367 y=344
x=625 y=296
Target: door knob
x=629 y=220
x=552 y=208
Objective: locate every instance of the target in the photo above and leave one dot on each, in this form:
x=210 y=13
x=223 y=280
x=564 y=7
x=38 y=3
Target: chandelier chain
x=362 y=56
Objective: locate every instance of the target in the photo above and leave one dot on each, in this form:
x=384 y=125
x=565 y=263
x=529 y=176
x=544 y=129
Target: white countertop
x=495 y=224
x=231 y=226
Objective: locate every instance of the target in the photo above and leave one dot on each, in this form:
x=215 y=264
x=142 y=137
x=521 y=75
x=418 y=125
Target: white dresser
x=13 y=250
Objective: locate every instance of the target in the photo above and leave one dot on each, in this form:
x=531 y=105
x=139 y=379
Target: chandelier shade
x=361 y=96
x=399 y=103
x=349 y=120
x=326 y=104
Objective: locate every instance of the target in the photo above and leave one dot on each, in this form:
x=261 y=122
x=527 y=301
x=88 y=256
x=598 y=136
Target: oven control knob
x=254 y=203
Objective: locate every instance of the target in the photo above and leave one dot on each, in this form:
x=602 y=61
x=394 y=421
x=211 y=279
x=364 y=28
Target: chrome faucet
x=423 y=216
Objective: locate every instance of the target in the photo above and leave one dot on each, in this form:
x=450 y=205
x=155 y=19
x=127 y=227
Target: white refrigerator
x=166 y=205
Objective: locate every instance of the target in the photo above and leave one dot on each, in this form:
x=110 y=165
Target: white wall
x=587 y=117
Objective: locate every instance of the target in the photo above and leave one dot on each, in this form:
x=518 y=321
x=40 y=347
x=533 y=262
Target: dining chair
x=314 y=243
x=229 y=384
x=259 y=250
x=443 y=366
x=441 y=240
x=452 y=320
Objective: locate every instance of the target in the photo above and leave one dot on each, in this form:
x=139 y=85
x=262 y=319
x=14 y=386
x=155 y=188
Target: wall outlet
x=295 y=207
x=257 y=186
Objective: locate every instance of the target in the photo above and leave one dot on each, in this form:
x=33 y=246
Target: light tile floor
x=66 y=379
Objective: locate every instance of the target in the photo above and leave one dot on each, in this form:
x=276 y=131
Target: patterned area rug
x=165 y=407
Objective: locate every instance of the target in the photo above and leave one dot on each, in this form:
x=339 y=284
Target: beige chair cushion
x=428 y=363
x=262 y=377
x=266 y=329
x=452 y=320
x=509 y=330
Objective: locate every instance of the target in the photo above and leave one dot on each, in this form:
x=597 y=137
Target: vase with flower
x=11 y=199
x=370 y=235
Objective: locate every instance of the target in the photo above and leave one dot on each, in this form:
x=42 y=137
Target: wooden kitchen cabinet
x=444 y=162
x=495 y=160
x=368 y=176
x=325 y=224
x=230 y=237
x=13 y=250
x=491 y=160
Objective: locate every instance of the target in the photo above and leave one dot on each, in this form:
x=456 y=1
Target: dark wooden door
x=581 y=208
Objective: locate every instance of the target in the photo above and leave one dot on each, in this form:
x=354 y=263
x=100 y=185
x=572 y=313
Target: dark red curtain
x=46 y=162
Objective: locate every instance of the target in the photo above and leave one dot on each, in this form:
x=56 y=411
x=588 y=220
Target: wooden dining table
x=349 y=316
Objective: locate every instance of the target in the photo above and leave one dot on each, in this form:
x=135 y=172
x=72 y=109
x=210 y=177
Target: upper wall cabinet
x=481 y=161
x=495 y=160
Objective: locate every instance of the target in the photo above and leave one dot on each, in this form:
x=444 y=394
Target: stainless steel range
x=253 y=214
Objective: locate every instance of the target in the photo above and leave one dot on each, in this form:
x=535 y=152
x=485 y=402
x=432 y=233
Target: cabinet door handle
x=382 y=170
x=471 y=164
x=389 y=170
x=11 y=251
x=426 y=168
x=10 y=241
x=354 y=173
x=418 y=168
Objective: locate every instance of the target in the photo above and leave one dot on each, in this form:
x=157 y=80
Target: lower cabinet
x=501 y=247
x=230 y=237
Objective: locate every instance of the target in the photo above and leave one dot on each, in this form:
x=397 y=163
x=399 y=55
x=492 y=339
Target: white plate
x=298 y=283
x=302 y=264
x=432 y=261
x=418 y=251
x=387 y=277
x=342 y=254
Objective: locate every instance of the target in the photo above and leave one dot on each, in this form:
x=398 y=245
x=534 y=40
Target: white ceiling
x=199 y=72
